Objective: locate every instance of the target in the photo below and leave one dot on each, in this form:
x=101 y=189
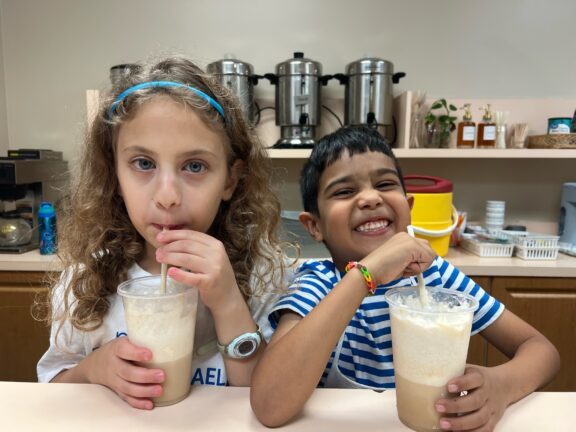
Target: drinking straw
x=163 y=274
x=422 y=293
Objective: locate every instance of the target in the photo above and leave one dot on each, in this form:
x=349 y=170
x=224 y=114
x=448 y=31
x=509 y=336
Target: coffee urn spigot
x=298 y=84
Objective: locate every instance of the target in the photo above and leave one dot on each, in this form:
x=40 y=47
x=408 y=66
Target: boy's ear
x=310 y=223
x=233 y=178
x=410 y=199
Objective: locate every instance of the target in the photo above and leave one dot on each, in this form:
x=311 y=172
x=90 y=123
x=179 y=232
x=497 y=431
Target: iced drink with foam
x=165 y=324
x=429 y=346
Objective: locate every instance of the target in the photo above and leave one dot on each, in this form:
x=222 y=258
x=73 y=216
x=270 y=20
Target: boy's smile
x=361 y=204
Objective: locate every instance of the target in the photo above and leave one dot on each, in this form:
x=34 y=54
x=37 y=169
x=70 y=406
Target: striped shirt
x=365 y=355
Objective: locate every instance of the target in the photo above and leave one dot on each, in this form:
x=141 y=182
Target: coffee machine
x=298 y=100
x=567 y=225
x=368 y=97
x=28 y=177
x=238 y=76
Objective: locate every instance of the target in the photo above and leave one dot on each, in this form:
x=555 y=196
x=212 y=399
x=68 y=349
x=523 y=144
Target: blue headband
x=150 y=84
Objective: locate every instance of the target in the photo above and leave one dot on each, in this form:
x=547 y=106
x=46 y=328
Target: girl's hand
x=401 y=255
x=481 y=408
x=113 y=365
x=207 y=266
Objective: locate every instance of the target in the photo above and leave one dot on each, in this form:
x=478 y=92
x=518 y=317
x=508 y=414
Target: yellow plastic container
x=432 y=211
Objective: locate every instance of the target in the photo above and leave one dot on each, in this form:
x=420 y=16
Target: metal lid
x=230 y=67
x=370 y=65
x=299 y=65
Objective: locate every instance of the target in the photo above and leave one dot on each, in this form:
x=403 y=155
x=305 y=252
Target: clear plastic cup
x=165 y=324
x=430 y=347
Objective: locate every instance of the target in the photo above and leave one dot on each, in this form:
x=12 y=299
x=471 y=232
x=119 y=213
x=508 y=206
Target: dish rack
x=487 y=250
x=532 y=246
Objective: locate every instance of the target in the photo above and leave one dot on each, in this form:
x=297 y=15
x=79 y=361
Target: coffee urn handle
x=254 y=79
x=396 y=77
x=325 y=78
x=273 y=78
x=342 y=79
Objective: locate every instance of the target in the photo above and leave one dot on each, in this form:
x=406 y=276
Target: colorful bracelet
x=365 y=274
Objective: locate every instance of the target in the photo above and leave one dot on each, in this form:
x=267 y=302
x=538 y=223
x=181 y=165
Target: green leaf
x=443 y=101
x=453 y=108
x=430 y=118
x=436 y=105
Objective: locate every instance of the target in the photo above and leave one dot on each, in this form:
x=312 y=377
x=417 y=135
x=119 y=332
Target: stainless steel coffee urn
x=368 y=96
x=121 y=71
x=298 y=82
x=239 y=77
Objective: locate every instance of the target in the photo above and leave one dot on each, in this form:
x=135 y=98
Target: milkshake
x=163 y=323
x=429 y=345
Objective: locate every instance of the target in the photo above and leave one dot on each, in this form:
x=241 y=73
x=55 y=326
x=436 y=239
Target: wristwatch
x=243 y=346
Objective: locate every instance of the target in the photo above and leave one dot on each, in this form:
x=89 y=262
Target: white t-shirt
x=207 y=364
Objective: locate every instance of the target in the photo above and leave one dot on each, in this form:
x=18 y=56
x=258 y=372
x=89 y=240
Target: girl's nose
x=369 y=198
x=167 y=192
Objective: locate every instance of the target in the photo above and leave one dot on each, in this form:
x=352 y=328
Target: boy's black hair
x=355 y=140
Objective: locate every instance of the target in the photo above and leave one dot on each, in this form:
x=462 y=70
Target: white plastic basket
x=532 y=246
x=488 y=250
x=536 y=253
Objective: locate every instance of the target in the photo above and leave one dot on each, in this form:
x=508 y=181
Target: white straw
x=423 y=294
x=163 y=274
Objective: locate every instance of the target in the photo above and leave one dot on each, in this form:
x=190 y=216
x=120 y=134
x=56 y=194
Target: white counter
x=88 y=407
x=472 y=265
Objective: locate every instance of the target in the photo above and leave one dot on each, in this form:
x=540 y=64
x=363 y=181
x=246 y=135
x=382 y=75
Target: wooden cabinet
x=549 y=305
x=23 y=339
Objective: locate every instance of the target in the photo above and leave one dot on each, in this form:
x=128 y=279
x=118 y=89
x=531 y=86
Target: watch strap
x=233 y=349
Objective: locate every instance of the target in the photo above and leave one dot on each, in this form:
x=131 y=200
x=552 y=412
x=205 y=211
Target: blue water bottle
x=47 y=228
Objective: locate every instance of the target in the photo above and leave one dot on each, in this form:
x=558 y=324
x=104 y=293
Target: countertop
x=89 y=407
x=472 y=265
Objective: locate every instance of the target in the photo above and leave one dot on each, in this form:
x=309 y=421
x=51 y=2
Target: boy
x=330 y=333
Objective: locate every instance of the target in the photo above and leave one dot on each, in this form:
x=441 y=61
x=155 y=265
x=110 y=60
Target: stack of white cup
x=495 y=211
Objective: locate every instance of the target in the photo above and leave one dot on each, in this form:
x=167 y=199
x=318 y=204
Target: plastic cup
x=429 y=347
x=165 y=324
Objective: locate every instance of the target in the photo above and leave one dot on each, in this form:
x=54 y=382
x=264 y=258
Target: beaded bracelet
x=365 y=274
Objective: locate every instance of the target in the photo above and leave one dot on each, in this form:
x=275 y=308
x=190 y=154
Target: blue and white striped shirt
x=366 y=351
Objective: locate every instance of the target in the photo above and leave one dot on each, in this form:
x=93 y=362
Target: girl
x=169 y=174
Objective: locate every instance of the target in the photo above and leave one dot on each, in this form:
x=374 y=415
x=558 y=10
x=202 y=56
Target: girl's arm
x=112 y=365
x=292 y=365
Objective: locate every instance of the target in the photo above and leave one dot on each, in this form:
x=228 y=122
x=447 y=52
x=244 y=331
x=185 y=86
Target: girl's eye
x=143 y=164
x=195 y=167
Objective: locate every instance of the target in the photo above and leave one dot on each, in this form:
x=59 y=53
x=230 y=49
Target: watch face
x=246 y=347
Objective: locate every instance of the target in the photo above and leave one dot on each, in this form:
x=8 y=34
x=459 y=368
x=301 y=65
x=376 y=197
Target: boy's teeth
x=372 y=226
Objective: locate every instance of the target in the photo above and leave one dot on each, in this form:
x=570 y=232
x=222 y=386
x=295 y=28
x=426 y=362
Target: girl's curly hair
x=98 y=242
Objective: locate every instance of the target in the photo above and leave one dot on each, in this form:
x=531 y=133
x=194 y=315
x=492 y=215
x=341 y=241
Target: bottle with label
x=486 y=130
x=466 y=129
x=47 y=228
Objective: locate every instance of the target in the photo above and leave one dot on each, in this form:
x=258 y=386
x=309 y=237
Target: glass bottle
x=466 y=129
x=486 y=130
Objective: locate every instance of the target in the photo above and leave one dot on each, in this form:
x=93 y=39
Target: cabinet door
x=549 y=305
x=478 y=345
x=23 y=339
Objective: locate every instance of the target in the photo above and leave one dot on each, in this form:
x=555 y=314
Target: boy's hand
x=481 y=408
x=112 y=365
x=402 y=255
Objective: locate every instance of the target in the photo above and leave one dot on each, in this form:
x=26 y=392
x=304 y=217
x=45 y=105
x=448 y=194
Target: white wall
x=54 y=50
x=3 y=120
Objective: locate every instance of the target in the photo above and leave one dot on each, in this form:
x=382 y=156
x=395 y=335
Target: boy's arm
x=292 y=364
x=533 y=362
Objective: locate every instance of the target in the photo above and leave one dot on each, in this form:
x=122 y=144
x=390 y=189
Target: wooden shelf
x=449 y=153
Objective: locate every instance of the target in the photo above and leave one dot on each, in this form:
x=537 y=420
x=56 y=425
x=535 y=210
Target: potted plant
x=439 y=124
